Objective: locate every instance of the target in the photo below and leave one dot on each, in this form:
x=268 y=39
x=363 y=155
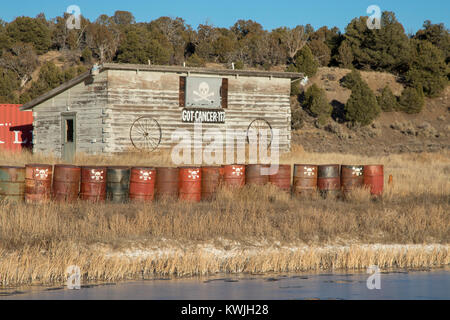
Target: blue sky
x=270 y=13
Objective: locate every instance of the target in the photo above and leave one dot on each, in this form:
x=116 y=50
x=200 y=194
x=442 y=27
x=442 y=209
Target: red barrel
x=191 y=184
x=282 y=178
x=93 y=184
x=211 y=179
x=254 y=174
x=329 y=180
x=38 y=183
x=142 y=184
x=234 y=175
x=167 y=183
x=351 y=178
x=66 y=183
x=305 y=179
x=374 y=179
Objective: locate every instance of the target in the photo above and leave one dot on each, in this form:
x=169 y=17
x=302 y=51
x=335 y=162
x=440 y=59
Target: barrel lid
x=352 y=166
x=119 y=167
x=328 y=165
x=305 y=165
x=38 y=165
x=93 y=167
x=11 y=167
x=143 y=168
x=66 y=166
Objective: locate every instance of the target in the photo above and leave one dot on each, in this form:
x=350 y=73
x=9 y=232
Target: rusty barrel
x=329 y=180
x=142 y=184
x=66 y=182
x=254 y=174
x=191 y=184
x=234 y=175
x=351 y=178
x=12 y=183
x=117 y=184
x=305 y=179
x=374 y=179
x=93 y=183
x=282 y=178
x=167 y=182
x=211 y=180
x=38 y=183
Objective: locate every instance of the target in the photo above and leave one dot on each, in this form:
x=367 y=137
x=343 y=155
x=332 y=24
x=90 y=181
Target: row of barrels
x=41 y=183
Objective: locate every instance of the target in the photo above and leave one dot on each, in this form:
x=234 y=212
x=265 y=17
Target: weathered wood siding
x=132 y=94
x=88 y=101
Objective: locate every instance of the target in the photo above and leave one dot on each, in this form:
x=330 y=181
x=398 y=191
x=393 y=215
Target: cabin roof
x=155 y=68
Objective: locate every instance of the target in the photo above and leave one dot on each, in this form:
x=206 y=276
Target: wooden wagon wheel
x=260 y=126
x=145 y=133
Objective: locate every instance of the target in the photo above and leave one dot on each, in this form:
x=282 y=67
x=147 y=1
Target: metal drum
x=66 y=183
x=305 y=180
x=329 y=180
x=38 y=183
x=374 y=179
x=255 y=176
x=234 y=175
x=282 y=179
x=117 y=184
x=351 y=178
x=167 y=183
x=142 y=184
x=12 y=184
x=191 y=184
x=93 y=184
x=211 y=180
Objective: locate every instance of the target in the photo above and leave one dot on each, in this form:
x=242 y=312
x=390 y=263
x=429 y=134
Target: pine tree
x=317 y=105
x=412 y=100
x=428 y=69
x=362 y=106
x=305 y=62
x=387 y=101
x=351 y=79
x=345 y=56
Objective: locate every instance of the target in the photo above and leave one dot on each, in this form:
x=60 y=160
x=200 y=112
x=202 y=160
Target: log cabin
x=115 y=108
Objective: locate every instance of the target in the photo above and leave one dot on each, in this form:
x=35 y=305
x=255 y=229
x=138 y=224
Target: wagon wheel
x=259 y=127
x=145 y=134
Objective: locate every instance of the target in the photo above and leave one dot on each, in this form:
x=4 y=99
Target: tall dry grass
x=253 y=230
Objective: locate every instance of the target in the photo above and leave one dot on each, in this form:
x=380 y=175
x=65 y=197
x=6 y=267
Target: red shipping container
x=16 y=128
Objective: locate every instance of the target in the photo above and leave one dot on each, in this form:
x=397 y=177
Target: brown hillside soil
x=392 y=132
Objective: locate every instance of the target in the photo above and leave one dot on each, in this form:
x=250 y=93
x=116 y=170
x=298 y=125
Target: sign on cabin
x=203 y=92
x=203 y=116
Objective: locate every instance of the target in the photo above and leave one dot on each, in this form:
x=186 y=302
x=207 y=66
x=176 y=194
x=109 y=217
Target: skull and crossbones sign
x=357 y=171
x=41 y=173
x=145 y=175
x=194 y=174
x=97 y=175
x=237 y=171
x=309 y=171
x=203 y=93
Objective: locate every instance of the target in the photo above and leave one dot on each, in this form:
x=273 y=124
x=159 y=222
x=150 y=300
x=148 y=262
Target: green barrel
x=118 y=184
x=12 y=184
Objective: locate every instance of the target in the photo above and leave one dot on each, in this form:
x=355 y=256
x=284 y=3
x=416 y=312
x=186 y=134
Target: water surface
x=394 y=285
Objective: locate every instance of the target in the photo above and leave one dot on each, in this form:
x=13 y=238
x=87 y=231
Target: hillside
x=392 y=132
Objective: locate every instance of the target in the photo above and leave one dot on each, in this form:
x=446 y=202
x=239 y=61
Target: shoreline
x=103 y=263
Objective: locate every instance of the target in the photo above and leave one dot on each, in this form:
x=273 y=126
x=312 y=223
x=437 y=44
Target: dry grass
x=254 y=230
